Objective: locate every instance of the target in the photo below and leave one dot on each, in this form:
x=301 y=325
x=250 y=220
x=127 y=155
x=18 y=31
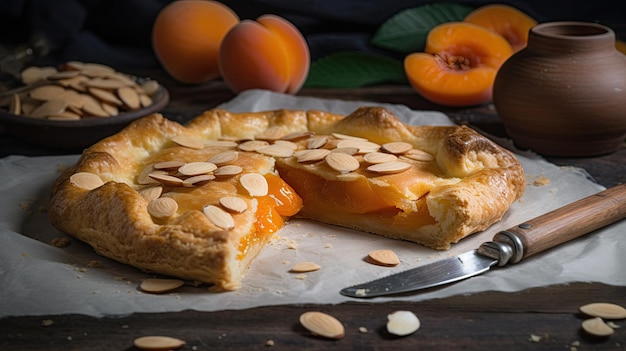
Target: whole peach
x=186 y=37
x=269 y=53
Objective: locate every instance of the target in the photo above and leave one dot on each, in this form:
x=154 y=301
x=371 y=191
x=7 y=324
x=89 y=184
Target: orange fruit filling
x=281 y=201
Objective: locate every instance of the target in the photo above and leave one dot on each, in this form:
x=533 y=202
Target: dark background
x=118 y=32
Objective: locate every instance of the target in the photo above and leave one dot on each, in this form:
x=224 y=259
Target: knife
x=508 y=246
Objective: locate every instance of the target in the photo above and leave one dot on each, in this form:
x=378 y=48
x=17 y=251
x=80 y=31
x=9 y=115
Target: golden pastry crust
x=462 y=183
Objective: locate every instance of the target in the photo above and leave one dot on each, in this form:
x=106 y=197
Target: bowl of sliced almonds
x=76 y=104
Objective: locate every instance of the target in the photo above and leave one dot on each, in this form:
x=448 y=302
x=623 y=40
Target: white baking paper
x=37 y=278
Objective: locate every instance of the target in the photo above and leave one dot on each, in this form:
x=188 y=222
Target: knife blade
x=508 y=246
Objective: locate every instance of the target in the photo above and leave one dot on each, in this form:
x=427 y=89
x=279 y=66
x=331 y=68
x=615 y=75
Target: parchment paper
x=37 y=278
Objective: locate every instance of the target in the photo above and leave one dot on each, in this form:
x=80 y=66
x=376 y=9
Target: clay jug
x=565 y=93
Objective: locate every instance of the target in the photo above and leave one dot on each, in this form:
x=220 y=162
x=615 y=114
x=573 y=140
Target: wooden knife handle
x=571 y=221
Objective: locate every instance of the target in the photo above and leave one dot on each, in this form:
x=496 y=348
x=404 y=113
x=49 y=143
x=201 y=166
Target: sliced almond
x=295 y=136
x=104 y=83
x=322 y=324
x=252 y=145
x=219 y=217
x=384 y=258
x=111 y=110
x=275 y=150
x=77 y=83
x=168 y=165
x=347 y=137
x=73 y=98
x=304 y=267
x=312 y=155
x=86 y=180
x=166 y=179
x=34 y=74
x=62 y=75
x=397 y=147
x=363 y=146
x=150 y=86
x=402 y=323
x=50 y=107
x=97 y=67
x=93 y=108
x=189 y=142
x=597 y=327
x=47 y=92
x=143 y=177
x=152 y=192
x=105 y=96
x=145 y=100
x=227 y=171
x=341 y=162
x=162 y=207
x=129 y=97
x=317 y=142
x=74 y=65
x=255 y=184
x=271 y=134
x=197 y=168
x=233 y=204
x=159 y=286
x=379 y=157
x=221 y=143
x=286 y=143
x=418 y=155
x=346 y=150
x=389 y=167
x=604 y=310
x=198 y=180
x=224 y=157
x=155 y=343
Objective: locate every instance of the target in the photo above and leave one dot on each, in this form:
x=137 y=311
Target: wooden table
x=543 y=318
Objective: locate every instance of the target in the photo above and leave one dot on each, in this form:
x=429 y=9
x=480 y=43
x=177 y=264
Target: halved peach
x=459 y=64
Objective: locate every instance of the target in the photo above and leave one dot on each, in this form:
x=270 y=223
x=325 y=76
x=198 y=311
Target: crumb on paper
x=61 y=242
x=292 y=245
x=301 y=276
x=541 y=181
x=328 y=246
x=94 y=264
x=27 y=204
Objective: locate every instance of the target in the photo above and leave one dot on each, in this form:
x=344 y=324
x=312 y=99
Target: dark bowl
x=76 y=135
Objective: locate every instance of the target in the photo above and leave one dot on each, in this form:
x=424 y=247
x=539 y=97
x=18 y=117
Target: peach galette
x=200 y=201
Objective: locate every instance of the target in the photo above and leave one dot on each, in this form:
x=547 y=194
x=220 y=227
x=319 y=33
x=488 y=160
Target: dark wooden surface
x=489 y=320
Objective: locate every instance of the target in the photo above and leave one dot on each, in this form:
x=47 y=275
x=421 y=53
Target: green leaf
x=354 y=69
x=406 y=31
